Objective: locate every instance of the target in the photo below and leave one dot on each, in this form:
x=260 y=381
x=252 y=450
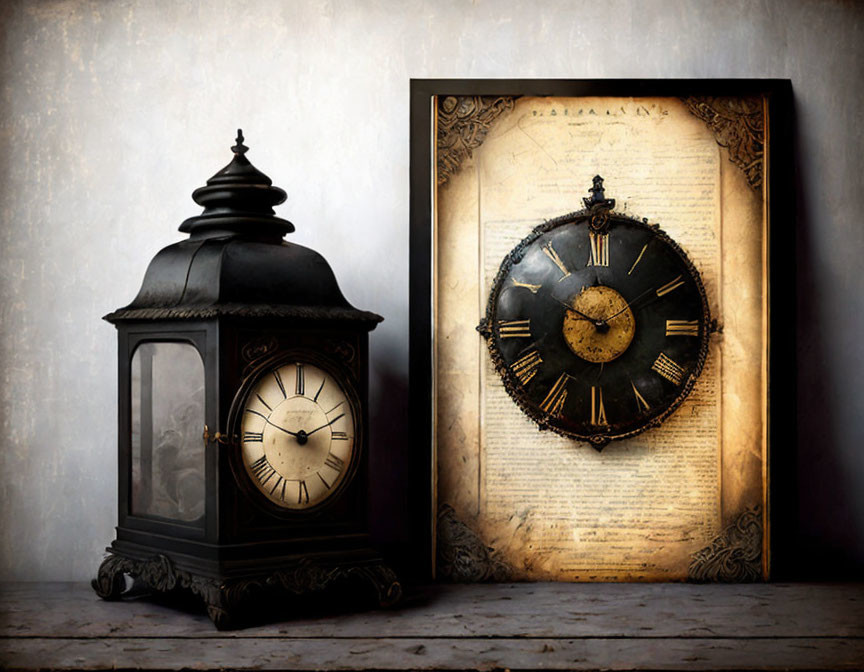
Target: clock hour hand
x=326 y=425
x=281 y=429
x=599 y=325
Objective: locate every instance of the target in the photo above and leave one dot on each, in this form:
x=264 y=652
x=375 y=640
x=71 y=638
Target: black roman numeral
x=278 y=482
x=319 y=390
x=300 y=385
x=256 y=437
x=302 y=493
x=334 y=462
x=339 y=436
x=262 y=470
x=264 y=402
x=280 y=384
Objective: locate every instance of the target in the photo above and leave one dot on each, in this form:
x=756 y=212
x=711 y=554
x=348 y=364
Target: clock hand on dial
x=579 y=312
x=629 y=303
x=599 y=325
x=327 y=425
x=281 y=429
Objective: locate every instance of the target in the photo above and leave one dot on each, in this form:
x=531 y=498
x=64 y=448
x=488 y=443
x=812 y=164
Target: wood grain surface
x=515 y=626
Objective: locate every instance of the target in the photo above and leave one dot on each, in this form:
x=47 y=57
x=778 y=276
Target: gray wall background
x=113 y=112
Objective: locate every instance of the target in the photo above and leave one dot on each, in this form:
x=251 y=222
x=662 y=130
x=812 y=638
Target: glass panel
x=167 y=427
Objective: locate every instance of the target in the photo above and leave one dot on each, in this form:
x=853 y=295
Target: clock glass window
x=167 y=407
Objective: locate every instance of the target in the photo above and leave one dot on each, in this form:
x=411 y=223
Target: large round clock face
x=598 y=335
x=298 y=435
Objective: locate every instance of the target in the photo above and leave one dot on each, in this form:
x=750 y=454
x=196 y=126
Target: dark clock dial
x=598 y=325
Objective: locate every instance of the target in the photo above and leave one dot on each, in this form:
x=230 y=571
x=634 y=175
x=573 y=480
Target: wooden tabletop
x=515 y=626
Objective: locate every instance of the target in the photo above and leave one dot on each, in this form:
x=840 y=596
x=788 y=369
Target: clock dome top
x=239 y=198
x=235 y=262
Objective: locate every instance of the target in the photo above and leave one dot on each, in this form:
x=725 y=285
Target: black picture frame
x=781 y=291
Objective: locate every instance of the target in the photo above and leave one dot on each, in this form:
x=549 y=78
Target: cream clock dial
x=297 y=435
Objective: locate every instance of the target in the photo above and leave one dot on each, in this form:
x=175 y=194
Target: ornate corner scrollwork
x=734 y=556
x=739 y=125
x=463 y=122
x=462 y=555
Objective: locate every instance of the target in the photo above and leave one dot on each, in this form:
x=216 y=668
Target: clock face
x=598 y=334
x=298 y=435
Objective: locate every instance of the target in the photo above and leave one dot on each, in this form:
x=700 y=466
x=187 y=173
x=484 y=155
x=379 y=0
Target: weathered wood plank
x=504 y=610
x=431 y=653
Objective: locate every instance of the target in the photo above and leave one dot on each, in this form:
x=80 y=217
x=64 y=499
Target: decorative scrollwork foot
x=234 y=603
x=110 y=581
x=218 y=611
x=384 y=583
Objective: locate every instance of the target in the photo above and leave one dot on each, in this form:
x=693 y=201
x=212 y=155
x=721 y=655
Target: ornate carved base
x=230 y=602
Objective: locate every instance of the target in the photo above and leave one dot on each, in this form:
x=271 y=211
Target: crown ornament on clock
x=238 y=199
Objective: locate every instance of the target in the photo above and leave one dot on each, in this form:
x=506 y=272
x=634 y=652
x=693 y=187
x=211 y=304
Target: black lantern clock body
x=243 y=455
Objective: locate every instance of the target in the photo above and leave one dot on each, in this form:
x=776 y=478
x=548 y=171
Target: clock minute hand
x=578 y=312
x=629 y=303
x=281 y=429
x=327 y=425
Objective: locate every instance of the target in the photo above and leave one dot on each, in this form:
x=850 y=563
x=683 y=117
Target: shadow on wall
x=390 y=453
x=821 y=538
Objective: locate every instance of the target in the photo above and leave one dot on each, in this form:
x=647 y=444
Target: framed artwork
x=602 y=339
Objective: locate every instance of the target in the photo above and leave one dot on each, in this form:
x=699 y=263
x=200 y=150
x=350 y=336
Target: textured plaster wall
x=111 y=113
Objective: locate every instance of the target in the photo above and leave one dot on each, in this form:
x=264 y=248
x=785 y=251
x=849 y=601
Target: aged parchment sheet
x=556 y=509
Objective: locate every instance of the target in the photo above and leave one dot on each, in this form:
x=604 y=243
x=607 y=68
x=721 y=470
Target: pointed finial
x=598 y=195
x=240 y=148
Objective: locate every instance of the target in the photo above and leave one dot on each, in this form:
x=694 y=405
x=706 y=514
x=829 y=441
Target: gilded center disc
x=608 y=332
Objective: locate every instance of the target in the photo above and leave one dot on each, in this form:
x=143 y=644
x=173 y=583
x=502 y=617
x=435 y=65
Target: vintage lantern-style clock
x=243 y=454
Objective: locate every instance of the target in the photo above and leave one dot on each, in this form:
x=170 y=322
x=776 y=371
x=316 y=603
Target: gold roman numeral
x=682 y=328
x=638 y=259
x=668 y=368
x=599 y=248
x=526 y=285
x=550 y=252
x=640 y=400
x=669 y=286
x=525 y=368
x=514 y=328
x=554 y=401
x=598 y=412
